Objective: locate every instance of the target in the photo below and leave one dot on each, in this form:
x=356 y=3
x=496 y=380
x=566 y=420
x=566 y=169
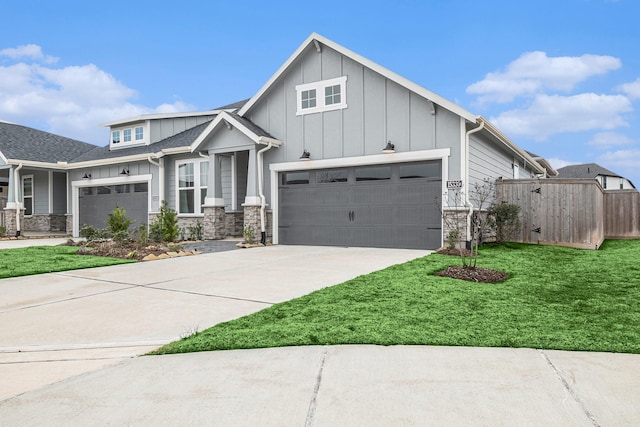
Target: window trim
x=23 y=179
x=320 y=87
x=118 y=136
x=197 y=187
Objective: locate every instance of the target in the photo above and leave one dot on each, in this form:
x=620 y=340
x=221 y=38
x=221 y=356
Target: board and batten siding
x=164 y=128
x=486 y=161
x=378 y=110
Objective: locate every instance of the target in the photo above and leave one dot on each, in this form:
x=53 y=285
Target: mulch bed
x=124 y=250
x=474 y=274
x=470 y=274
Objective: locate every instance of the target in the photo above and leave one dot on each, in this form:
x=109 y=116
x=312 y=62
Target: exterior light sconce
x=390 y=148
x=87 y=175
x=305 y=155
x=125 y=172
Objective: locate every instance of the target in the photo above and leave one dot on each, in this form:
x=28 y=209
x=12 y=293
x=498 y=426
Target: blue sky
x=560 y=78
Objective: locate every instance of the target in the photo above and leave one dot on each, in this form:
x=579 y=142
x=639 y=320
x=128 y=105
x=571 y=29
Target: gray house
x=333 y=150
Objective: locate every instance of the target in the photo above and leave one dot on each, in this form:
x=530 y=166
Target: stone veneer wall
x=234 y=222
x=69 y=223
x=455 y=219
x=252 y=218
x=51 y=222
x=10 y=221
x=214 y=223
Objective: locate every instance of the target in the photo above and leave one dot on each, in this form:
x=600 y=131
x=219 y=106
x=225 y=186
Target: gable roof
x=247 y=127
x=23 y=143
x=319 y=40
x=585 y=171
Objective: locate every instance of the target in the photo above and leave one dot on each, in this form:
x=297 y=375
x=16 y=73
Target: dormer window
x=325 y=95
x=128 y=137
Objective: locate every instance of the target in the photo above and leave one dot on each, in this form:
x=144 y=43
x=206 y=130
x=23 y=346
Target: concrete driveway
x=57 y=325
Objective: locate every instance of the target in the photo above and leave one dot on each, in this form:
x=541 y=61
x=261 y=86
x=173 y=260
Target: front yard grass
x=48 y=259
x=555 y=298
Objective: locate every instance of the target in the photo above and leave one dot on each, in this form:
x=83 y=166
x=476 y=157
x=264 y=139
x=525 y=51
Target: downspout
x=160 y=165
x=467 y=202
x=16 y=178
x=263 y=234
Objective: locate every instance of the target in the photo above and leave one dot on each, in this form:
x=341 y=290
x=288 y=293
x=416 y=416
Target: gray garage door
x=96 y=203
x=388 y=206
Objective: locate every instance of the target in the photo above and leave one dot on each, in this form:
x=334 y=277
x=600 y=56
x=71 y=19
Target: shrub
x=165 y=227
x=504 y=219
x=91 y=233
x=118 y=224
x=247 y=232
x=195 y=232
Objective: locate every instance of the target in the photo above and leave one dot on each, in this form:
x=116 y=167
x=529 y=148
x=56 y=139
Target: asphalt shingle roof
x=24 y=143
x=587 y=170
x=182 y=139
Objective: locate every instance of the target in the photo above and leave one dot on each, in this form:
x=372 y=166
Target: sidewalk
x=346 y=385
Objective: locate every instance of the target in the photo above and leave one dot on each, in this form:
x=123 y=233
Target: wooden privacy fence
x=571 y=212
x=622 y=214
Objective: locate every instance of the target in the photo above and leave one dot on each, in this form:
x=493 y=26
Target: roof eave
x=228 y=118
x=144 y=117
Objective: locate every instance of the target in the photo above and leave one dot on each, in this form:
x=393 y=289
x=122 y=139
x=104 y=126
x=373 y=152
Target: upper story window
x=325 y=95
x=123 y=137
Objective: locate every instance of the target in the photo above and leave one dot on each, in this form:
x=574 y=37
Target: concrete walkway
x=68 y=343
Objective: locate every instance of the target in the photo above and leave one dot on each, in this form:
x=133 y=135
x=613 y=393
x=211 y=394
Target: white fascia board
x=510 y=144
x=112 y=161
x=34 y=164
x=375 y=159
x=228 y=118
x=145 y=117
x=2 y=156
x=175 y=150
x=414 y=87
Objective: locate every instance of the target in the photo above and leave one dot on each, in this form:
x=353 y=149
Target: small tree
x=165 y=227
x=118 y=224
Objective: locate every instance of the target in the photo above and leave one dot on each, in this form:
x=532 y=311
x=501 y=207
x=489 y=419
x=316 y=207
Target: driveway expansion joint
x=571 y=391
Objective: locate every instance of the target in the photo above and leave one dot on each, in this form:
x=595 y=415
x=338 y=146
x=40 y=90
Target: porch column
x=252 y=200
x=214 y=215
x=11 y=218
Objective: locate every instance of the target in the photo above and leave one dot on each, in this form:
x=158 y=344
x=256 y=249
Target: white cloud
x=621 y=159
x=632 y=90
x=72 y=100
x=557 y=163
x=534 y=72
x=551 y=114
x=29 y=51
x=605 y=140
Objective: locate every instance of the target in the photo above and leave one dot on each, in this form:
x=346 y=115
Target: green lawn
x=47 y=259
x=555 y=298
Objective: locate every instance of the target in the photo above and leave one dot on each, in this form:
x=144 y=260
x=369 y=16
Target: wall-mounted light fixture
x=87 y=175
x=305 y=155
x=124 y=172
x=389 y=148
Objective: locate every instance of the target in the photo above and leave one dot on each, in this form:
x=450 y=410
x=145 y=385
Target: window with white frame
x=123 y=137
x=27 y=194
x=325 y=95
x=191 y=185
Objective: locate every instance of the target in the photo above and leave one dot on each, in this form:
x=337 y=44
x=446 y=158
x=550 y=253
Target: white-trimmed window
x=27 y=194
x=325 y=95
x=128 y=136
x=191 y=186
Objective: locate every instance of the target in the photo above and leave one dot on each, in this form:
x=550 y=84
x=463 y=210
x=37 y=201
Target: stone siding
x=10 y=221
x=234 y=222
x=52 y=222
x=252 y=219
x=214 y=223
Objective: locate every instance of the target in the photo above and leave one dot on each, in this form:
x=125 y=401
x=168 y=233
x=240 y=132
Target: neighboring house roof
x=24 y=143
x=587 y=170
x=317 y=40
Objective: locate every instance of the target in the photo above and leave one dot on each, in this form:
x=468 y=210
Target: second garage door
x=96 y=203
x=389 y=206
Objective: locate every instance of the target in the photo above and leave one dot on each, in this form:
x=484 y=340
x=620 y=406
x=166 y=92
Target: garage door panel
x=394 y=213
x=95 y=206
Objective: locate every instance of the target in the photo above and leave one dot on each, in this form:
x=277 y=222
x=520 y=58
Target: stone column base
x=252 y=219
x=214 y=223
x=10 y=221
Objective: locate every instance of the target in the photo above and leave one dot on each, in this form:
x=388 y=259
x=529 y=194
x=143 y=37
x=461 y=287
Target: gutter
x=16 y=178
x=160 y=165
x=263 y=204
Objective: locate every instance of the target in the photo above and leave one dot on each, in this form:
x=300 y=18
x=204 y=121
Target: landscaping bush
x=504 y=219
x=165 y=227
